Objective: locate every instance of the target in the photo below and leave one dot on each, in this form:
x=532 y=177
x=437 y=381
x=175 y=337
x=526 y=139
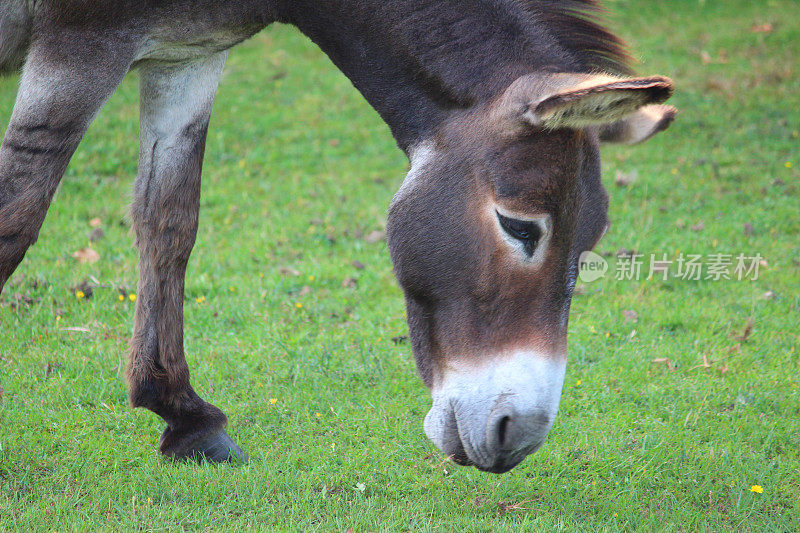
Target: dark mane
x=463 y=52
x=439 y=55
x=578 y=27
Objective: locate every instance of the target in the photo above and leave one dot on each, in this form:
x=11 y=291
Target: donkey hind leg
x=58 y=98
x=176 y=101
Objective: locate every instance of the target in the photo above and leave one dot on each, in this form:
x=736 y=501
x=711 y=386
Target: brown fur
x=436 y=70
x=467 y=295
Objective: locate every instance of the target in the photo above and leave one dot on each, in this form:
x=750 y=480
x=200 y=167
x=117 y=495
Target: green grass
x=298 y=170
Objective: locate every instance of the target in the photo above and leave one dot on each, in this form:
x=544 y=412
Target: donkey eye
x=528 y=232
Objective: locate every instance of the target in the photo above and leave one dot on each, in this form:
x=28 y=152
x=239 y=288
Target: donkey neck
x=418 y=61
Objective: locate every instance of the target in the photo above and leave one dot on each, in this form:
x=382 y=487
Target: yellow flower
x=79 y=294
x=674 y=171
x=273 y=401
x=757 y=489
x=121 y=298
x=788 y=164
x=200 y=299
x=132 y=297
x=578 y=383
x=311 y=278
x=298 y=305
x=615 y=515
x=319 y=415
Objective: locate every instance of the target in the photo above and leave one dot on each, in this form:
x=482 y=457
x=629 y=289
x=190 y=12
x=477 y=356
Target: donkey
x=500 y=106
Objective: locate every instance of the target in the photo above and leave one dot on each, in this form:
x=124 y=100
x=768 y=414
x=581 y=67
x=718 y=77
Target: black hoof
x=215 y=448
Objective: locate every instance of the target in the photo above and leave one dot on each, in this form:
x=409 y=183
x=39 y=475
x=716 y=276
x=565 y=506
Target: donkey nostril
x=502 y=429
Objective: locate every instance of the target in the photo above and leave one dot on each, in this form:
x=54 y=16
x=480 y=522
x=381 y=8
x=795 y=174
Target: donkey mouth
x=459 y=456
x=460 y=451
x=441 y=426
x=495 y=416
x=451 y=434
x=455 y=442
x=500 y=466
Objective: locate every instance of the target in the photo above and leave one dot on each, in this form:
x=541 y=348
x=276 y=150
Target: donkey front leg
x=66 y=80
x=176 y=102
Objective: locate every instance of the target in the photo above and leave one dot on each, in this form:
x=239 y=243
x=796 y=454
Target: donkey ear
x=581 y=100
x=639 y=126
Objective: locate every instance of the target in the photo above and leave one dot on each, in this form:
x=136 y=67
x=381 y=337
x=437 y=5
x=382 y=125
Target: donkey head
x=486 y=233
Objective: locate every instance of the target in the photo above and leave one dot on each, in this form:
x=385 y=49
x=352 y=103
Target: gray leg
x=61 y=90
x=176 y=101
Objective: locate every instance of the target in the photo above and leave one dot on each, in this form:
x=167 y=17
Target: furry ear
x=639 y=126
x=580 y=100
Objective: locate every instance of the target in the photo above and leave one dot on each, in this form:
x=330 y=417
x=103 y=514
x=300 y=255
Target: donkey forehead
x=538 y=168
x=531 y=172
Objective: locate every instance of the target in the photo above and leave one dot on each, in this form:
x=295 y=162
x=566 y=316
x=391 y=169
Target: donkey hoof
x=215 y=448
x=219 y=448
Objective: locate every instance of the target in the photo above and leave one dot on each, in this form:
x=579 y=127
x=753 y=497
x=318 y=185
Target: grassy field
x=295 y=342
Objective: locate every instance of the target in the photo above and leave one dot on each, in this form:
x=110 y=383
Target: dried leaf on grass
x=375 y=236
x=76 y=328
x=746 y=332
x=86 y=256
x=761 y=28
x=19 y=300
x=508 y=507
x=304 y=291
x=707 y=59
x=97 y=234
x=50 y=367
x=630 y=315
x=698 y=227
x=623 y=179
x=664 y=361
x=707 y=363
